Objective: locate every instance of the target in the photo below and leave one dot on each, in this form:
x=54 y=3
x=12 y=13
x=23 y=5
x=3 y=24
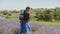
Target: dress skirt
x=25 y=27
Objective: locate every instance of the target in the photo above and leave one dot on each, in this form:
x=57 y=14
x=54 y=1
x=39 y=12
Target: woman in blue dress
x=24 y=19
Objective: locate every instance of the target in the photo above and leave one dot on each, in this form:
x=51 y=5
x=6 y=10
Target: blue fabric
x=25 y=27
x=21 y=15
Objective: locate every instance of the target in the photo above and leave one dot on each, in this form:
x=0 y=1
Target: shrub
x=7 y=17
x=9 y=14
x=16 y=31
x=0 y=31
x=33 y=29
x=5 y=12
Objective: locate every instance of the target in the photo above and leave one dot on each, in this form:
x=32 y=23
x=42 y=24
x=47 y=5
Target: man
x=24 y=19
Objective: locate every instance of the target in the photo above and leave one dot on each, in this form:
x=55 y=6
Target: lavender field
x=7 y=27
x=44 y=16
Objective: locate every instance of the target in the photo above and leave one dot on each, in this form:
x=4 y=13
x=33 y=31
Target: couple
x=24 y=19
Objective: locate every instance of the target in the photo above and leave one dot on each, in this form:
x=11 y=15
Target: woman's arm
x=21 y=15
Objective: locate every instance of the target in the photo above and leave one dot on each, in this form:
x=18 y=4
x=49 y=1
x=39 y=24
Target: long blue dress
x=25 y=27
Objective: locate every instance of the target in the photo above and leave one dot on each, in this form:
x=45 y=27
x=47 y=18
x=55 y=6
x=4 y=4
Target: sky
x=21 y=4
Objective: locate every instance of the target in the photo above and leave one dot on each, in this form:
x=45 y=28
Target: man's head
x=27 y=9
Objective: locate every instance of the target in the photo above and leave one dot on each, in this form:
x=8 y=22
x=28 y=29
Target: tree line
x=51 y=14
x=44 y=14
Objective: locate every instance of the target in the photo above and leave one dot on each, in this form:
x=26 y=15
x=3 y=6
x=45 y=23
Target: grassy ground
x=33 y=20
x=57 y=23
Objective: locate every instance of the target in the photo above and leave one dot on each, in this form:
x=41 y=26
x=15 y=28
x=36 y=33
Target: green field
x=47 y=14
x=33 y=20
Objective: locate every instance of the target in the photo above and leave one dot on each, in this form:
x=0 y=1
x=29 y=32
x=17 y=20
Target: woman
x=24 y=19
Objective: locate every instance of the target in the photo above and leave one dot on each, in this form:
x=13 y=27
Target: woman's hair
x=26 y=17
x=27 y=7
